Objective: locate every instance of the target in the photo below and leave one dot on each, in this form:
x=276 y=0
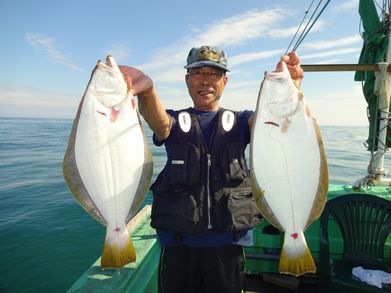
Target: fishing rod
x=301 y=23
x=308 y=26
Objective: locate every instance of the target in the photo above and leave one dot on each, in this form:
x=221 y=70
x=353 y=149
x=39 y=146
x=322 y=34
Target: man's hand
x=138 y=82
x=149 y=104
x=292 y=61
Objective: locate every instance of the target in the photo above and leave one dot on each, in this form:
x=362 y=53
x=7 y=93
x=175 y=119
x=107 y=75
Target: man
x=203 y=209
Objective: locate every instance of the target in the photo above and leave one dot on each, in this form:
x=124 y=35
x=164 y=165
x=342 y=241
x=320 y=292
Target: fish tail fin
x=118 y=249
x=296 y=258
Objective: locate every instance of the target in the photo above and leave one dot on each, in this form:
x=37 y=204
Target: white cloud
x=347 y=5
x=47 y=44
x=321 y=45
x=232 y=31
x=26 y=101
x=170 y=75
x=239 y=29
x=241 y=93
x=167 y=64
x=167 y=70
x=287 y=32
x=252 y=56
x=332 y=53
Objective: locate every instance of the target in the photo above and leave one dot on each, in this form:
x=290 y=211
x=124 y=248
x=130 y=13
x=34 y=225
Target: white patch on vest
x=184 y=121
x=177 y=162
x=228 y=120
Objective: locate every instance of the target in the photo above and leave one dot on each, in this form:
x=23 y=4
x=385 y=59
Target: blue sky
x=49 y=48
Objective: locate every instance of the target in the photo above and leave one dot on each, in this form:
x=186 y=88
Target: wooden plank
x=341 y=67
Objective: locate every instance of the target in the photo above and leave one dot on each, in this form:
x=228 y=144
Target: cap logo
x=210 y=54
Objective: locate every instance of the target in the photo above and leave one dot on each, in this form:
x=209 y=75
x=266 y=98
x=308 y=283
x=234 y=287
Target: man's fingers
x=292 y=62
x=291 y=58
x=279 y=66
x=137 y=81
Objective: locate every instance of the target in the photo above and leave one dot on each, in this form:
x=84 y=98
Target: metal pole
x=376 y=166
x=341 y=67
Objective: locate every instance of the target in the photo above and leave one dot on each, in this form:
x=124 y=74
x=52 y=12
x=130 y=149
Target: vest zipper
x=209 y=163
x=208 y=190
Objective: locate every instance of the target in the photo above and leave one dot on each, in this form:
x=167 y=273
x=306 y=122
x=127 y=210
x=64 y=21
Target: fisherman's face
x=205 y=85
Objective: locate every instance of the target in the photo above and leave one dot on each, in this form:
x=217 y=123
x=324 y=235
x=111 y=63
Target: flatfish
x=108 y=165
x=288 y=167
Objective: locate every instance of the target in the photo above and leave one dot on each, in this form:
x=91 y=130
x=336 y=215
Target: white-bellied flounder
x=288 y=167
x=108 y=165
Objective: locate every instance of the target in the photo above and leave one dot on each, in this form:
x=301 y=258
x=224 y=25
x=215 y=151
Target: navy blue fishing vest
x=204 y=186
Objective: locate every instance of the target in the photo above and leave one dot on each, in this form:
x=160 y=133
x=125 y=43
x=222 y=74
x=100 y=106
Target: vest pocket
x=244 y=211
x=234 y=210
x=185 y=164
x=174 y=211
x=233 y=166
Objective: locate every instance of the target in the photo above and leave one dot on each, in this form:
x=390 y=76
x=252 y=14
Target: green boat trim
x=261 y=258
x=140 y=276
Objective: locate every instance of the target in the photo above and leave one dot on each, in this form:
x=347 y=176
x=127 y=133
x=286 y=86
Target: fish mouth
x=110 y=63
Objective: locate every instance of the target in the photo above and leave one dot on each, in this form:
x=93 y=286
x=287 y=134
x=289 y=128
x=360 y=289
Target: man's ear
x=187 y=79
x=225 y=79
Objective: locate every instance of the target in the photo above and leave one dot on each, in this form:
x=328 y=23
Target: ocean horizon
x=48 y=241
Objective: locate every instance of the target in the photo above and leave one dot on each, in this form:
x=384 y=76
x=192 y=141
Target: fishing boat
x=262 y=258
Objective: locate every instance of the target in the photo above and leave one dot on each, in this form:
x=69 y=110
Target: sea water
x=47 y=241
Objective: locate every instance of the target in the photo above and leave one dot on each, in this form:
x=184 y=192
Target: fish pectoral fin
x=114 y=114
x=296 y=258
x=118 y=250
x=285 y=125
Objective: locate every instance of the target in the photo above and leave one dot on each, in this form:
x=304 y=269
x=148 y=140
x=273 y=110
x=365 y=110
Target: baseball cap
x=207 y=56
